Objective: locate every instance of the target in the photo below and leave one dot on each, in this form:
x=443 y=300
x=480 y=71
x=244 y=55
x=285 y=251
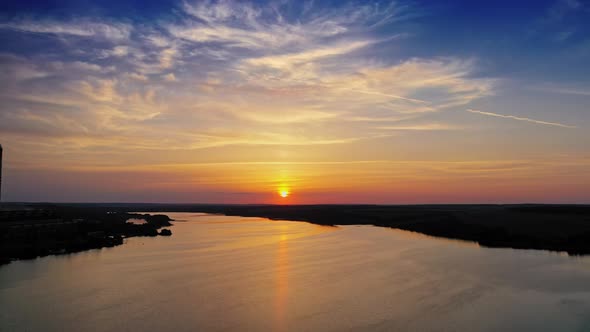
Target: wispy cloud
x=560 y=22
x=521 y=119
x=218 y=74
x=256 y=27
x=421 y=127
x=80 y=28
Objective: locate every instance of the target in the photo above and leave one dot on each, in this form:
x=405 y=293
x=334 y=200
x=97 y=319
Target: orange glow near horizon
x=308 y=182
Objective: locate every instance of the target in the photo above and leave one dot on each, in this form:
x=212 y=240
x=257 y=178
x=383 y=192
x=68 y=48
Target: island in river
x=564 y=228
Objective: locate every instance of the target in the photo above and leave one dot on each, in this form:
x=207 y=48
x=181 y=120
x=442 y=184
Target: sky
x=403 y=102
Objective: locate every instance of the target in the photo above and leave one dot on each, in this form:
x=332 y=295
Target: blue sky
x=99 y=87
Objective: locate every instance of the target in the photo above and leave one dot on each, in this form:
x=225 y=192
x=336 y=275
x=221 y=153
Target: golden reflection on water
x=282 y=283
x=262 y=232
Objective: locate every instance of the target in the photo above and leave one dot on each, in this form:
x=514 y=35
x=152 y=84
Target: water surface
x=219 y=273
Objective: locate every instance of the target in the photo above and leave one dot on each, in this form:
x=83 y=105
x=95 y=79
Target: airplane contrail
x=522 y=119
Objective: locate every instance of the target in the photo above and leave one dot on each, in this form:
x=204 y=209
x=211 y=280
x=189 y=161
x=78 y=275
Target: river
x=220 y=273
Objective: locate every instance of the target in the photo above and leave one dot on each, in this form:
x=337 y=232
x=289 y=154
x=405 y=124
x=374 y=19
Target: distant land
x=30 y=231
x=563 y=228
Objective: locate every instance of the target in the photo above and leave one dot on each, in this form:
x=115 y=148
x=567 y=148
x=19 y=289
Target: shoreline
x=558 y=228
x=32 y=233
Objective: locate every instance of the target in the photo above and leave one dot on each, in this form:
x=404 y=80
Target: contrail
x=522 y=119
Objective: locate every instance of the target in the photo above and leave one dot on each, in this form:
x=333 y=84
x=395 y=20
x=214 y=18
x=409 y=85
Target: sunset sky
x=332 y=102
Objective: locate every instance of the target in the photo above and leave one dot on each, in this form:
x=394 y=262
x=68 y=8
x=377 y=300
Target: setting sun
x=284 y=193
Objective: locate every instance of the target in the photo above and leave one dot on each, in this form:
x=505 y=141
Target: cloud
x=562 y=8
x=78 y=28
x=222 y=11
x=138 y=77
x=170 y=77
x=117 y=51
x=421 y=127
x=291 y=60
x=17 y=69
x=563 y=21
x=244 y=25
x=222 y=74
x=85 y=66
x=522 y=119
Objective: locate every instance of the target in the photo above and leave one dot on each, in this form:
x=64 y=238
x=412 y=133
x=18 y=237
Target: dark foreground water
x=220 y=273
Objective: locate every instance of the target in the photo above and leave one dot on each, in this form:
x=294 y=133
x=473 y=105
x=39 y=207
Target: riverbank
x=561 y=228
x=35 y=231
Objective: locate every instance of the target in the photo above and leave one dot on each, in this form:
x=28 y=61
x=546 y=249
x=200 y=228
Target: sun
x=284 y=193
